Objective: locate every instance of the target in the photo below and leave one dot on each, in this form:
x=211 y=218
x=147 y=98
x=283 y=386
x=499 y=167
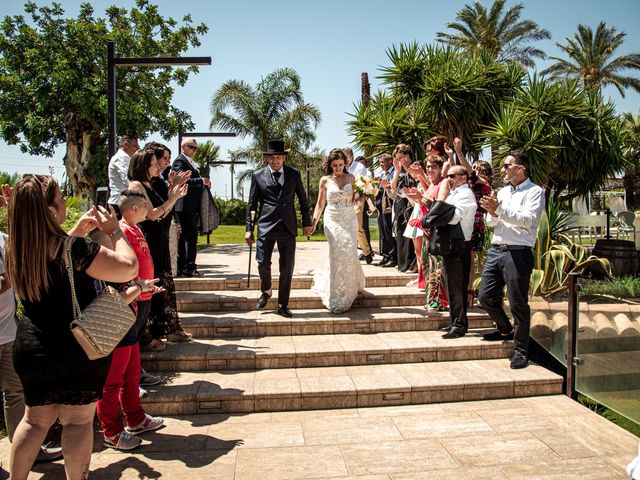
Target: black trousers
x=365 y=224
x=456 y=276
x=188 y=240
x=511 y=268
x=287 y=251
x=387 y=242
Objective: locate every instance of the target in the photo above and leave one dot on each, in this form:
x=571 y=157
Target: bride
x=339 y=284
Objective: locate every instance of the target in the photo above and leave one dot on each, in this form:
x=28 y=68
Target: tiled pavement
x=385 y=351
x=547 y=438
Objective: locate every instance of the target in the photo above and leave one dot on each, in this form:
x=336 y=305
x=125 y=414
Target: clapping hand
x=448 y=151
x=416 y=171
x=178 y=178
x=7 y=191
x=148 y=285
x=178 y=191
x=490 y=203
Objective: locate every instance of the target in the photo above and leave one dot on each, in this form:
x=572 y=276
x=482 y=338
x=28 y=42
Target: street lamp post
x=113 y=62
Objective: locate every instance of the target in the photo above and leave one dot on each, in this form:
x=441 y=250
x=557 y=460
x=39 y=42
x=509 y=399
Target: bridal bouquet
x=366 y=187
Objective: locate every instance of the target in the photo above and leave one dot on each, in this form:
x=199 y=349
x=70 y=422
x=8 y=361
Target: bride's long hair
x=335 y=154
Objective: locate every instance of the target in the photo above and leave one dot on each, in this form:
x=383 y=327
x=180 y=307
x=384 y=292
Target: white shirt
x=465 y=202
x=281 y=179
x=518 y=214
x=7 y=304
x=118 y=175
x=358 y=170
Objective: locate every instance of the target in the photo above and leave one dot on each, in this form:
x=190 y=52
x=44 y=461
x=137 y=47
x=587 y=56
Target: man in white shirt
x=119 y=169
x=358 y=170
x=515 y=215
x=455 y=191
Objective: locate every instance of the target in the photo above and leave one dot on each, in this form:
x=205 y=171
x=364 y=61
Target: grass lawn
x=235 y=234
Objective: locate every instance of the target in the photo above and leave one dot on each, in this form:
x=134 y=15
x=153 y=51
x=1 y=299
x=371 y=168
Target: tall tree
x=498 y=31
x=631 y=151
x=591 y=60
x=53 y=81
x=274 y=108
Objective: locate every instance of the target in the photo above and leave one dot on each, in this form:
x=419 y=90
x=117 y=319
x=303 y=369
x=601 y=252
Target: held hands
x=490 y=203
x=308 y=231
x=206 y=182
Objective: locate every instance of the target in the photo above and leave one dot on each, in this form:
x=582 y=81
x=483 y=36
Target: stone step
x=322 y=351
x=230 y=300
x=298 y=282
x=345 y=387
x=314 y=322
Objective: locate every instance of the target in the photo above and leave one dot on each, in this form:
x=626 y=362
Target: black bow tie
x=276 y=175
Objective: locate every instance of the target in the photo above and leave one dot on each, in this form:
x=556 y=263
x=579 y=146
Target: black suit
x=187 y=210
x=385 y=225
x=276 y=220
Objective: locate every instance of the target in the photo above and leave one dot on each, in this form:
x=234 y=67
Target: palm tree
x=631 y=151
x=502 y=33
x=274 y=108
x=207 y=156
x=591 y=60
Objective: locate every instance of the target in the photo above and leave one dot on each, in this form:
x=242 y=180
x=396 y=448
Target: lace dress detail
x=338 y=284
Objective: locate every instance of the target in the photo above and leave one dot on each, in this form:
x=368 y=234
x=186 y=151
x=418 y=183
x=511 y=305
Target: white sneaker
x=148 y=424
x=142 y=392
x=122 y=441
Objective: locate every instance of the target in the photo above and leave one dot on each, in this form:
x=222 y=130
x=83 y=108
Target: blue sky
x=329 y=43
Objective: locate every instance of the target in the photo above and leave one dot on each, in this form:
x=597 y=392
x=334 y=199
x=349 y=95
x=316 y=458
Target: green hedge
x=232 y=212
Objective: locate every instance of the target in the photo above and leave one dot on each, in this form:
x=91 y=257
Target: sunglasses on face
x=192 y=147
x=507 y=165
x=453 y=175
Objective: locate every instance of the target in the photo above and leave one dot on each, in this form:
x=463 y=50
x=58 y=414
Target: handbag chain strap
x=69 y=261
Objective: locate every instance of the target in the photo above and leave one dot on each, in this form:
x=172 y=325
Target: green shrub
x=621 y=287
x=232 y=212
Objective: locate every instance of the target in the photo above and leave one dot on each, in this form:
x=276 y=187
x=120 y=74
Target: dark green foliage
x=53 y=81
x=232 y=212
x=574 y=138
x=433 y=90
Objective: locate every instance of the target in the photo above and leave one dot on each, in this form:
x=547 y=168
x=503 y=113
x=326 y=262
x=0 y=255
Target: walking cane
x=253 y=216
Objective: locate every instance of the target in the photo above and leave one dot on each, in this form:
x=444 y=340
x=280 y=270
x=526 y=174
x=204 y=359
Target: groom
x=274 y=187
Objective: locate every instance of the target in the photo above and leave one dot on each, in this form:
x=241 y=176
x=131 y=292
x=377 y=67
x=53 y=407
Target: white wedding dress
x=338 y=284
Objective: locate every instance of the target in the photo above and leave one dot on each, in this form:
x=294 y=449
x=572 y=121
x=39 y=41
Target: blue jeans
x=513 y=269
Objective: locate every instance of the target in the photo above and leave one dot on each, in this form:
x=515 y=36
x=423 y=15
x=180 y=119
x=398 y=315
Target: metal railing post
x=572 y=335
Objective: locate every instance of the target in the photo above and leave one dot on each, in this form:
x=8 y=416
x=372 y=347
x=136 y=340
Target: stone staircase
x=385 y=351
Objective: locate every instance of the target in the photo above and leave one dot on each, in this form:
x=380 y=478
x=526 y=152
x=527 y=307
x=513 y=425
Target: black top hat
x=275 y=147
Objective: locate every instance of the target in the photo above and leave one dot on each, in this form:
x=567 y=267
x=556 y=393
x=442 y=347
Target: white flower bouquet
x=366 y=187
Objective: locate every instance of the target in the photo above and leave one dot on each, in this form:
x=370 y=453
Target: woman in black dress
x=59 y=380
x=144 y=169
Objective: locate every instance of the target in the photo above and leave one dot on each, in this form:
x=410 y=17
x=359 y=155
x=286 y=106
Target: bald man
x=188 y=208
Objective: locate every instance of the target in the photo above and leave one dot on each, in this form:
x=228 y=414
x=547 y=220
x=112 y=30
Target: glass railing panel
x=608 y=348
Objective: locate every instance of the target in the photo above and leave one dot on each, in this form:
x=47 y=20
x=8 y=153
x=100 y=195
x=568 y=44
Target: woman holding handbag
x=59 y=380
